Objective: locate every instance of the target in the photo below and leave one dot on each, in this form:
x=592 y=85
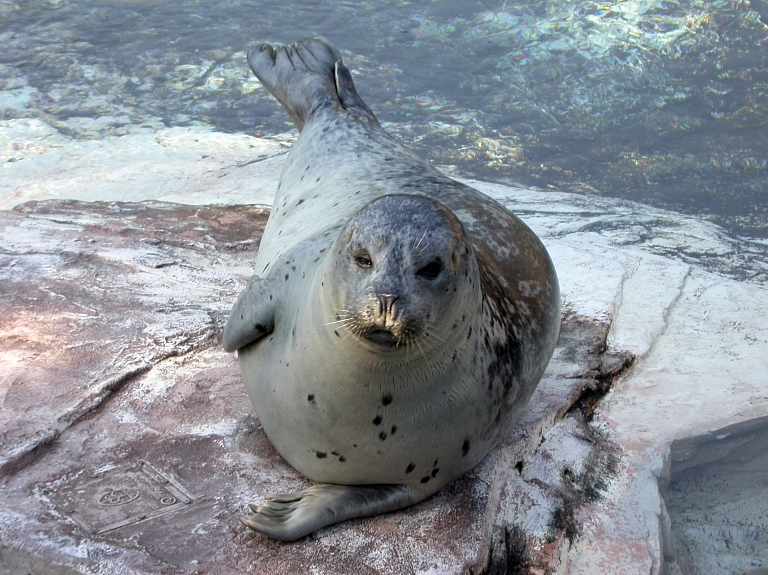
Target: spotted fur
x=409 y=373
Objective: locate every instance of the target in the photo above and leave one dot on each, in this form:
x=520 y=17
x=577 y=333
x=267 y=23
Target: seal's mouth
x=382 y=337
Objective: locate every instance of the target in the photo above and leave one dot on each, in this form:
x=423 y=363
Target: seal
x=400 y=320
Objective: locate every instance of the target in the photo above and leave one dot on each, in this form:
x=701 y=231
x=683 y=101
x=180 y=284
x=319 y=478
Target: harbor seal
x=400 y=320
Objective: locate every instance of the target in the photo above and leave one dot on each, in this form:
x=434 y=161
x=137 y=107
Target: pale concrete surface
x=111 y=314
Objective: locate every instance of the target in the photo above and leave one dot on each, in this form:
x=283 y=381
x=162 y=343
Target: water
x=661 y=102
x=718 y=501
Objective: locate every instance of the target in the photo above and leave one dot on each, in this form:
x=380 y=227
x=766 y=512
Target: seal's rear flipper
x=348 y=96
x=306 y=76
x=292 y=516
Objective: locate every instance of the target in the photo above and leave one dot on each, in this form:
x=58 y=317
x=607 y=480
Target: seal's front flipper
x=306 y=76
x=291 y=516
x=252 y=317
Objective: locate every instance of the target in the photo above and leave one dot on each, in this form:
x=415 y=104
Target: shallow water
x=718 y=499
x=662 y=102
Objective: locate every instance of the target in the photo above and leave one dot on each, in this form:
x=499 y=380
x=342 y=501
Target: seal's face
x=397 y=266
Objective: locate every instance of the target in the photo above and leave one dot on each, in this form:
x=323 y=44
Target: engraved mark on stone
x=119 y=496
x=116 y=495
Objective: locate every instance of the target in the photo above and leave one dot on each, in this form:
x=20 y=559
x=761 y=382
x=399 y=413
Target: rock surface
x=128 y=444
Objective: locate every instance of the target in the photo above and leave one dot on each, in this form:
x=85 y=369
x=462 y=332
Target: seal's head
x=398 y=265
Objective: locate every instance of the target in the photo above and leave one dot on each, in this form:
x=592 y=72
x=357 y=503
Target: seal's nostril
x=386 y=305
x=382 y=306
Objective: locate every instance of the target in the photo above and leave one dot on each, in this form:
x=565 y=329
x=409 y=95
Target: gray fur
x=400 y=321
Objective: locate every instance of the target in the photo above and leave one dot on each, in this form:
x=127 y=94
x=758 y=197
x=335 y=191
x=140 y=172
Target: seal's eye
x=363 y=260
x=431 y=270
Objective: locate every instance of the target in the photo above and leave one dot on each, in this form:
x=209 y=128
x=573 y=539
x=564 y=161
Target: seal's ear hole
x=431 y=270
x=456 y=259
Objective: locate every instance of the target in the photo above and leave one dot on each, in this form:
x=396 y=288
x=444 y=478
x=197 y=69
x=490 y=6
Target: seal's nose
x=386 y=311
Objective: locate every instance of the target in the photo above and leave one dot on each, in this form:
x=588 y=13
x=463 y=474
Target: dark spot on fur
x=311 y=398
x=425 y=479
x=337 y=333
x=470 y=332
x=342 y=458
x=317 y=180
x=383 y=435
x=410 y=468
x=270 y=297
x=392 y=431
x=336 y=453
x=286 y=277
x=321 y=454
x=377 y=420
x=465 y=447
x=435 y=471
x=387 y=399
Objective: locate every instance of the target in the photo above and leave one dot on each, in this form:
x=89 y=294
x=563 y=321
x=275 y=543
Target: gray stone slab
x=155 y=285
x=91 y=298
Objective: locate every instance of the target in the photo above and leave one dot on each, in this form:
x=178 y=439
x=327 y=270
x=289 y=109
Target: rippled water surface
x=663 y=102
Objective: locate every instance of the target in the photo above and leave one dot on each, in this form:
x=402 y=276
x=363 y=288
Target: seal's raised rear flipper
x=306 y=76
x=294 y=515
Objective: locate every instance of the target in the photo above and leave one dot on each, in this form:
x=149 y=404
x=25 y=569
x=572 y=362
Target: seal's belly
x=361 y=426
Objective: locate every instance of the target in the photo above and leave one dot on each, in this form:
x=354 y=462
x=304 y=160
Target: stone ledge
x=110 y=356
x=157 y=281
